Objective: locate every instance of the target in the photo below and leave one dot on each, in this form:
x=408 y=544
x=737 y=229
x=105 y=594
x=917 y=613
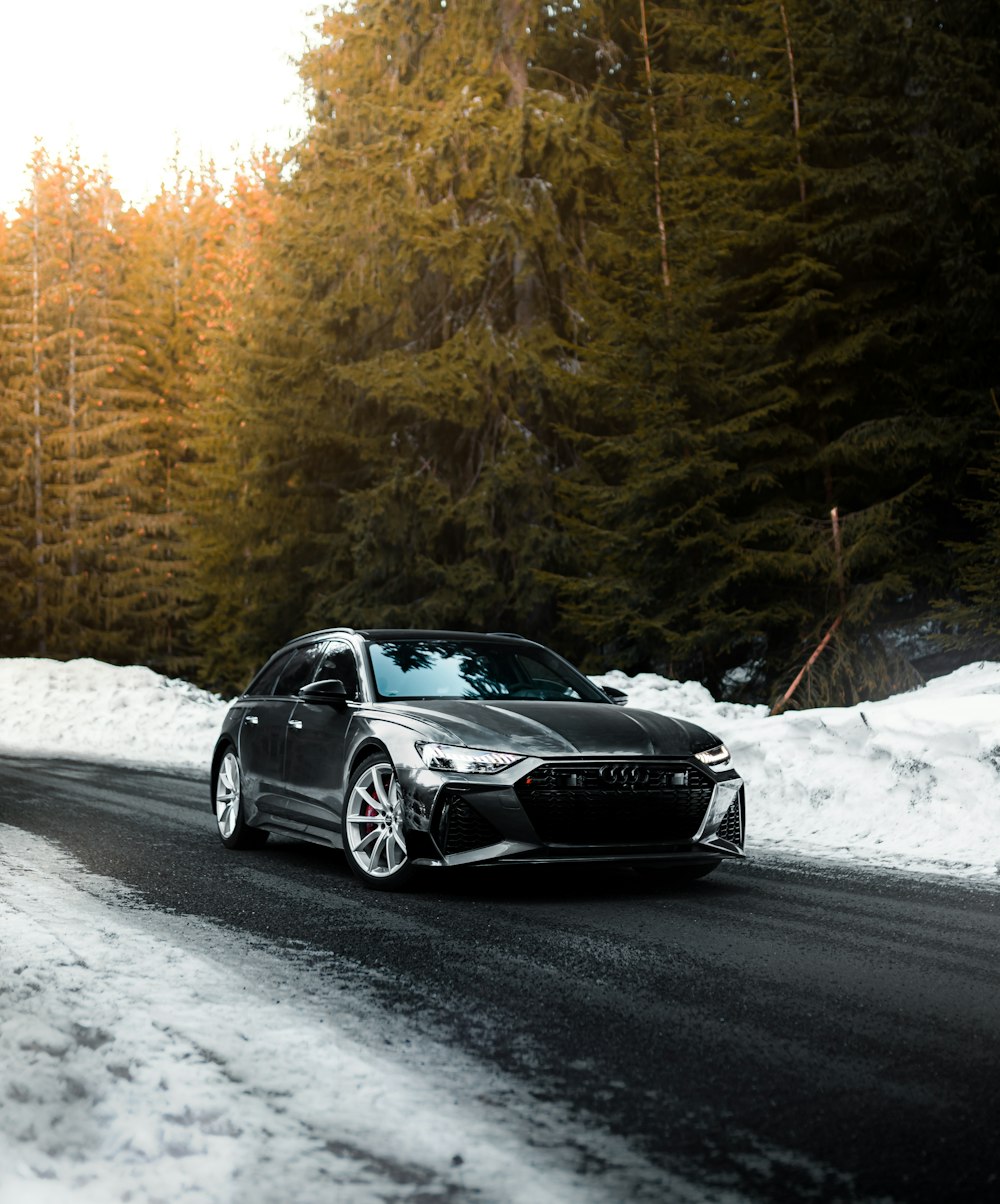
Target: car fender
x=397 y=736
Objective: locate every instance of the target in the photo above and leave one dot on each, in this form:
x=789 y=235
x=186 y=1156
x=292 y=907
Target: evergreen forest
x=665 y=333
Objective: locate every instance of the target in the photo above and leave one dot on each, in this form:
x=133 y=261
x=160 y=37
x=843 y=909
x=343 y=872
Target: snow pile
x=150 y=1058
x=86 y=708
x=912 y=781
x=913 y=778
x=688 y=699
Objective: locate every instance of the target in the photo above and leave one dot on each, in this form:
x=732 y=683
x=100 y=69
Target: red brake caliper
x=369 y=810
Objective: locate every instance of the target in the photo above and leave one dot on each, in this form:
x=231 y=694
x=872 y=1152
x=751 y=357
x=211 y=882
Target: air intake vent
x=731 y=827
x=460 y=827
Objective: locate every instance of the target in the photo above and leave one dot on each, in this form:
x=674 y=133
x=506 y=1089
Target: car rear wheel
x=228 y=796
x=374 y=831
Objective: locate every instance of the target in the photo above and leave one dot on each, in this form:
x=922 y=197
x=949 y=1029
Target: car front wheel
x=374 y=832
x=233 y=828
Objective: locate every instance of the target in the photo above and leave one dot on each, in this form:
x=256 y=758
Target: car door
x=264 y=729
x=315 y=750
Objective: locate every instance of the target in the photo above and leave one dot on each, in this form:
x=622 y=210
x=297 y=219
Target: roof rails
x=322 y=631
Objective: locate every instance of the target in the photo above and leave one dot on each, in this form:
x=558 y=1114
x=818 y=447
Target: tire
x=373 y=832
x=227 y=795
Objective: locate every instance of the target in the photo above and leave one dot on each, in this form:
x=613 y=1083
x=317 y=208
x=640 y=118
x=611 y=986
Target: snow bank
x=89 y=709
x=912 y=781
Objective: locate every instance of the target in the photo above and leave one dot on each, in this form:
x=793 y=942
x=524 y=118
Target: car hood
x=558 y=729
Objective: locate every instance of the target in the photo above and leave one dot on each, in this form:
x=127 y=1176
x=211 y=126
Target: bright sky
x=127 y=82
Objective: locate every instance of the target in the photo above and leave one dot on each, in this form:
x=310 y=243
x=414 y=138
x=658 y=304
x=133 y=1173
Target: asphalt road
x=789 y=1031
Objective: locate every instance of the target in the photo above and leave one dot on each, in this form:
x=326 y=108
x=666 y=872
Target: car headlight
x=459 y=759
x=715 y=757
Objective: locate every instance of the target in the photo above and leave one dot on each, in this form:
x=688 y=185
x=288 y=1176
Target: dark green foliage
x=414 y=358
x=819 y=342
x=970 y=615
x=661 y=331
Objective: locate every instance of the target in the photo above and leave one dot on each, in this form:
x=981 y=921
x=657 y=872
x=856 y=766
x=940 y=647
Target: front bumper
x=575 y=810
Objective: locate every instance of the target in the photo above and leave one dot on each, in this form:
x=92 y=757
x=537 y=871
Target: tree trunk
x=36 y=392
x=515 y=63
x=661 y=224
x=796 y=116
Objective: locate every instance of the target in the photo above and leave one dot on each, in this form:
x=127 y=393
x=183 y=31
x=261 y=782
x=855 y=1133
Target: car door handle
x=251 y=718
x=295 y=723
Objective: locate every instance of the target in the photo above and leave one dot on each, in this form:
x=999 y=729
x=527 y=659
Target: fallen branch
x=780 y=706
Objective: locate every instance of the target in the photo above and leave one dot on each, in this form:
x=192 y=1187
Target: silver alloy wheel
x=374 y=822
x=227 y=795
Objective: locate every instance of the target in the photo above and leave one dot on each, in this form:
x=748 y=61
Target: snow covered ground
x=911 y=782
x=155 y=1059
x=148 y=1057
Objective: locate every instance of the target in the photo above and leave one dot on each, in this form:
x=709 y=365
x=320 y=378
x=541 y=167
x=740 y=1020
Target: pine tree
x=691 y=524
x=904 y=348
x=413 y=363
x=73 y=410
x=795 y=150
x=178 y=287
x=970 y=616
x=15 y=536
x=229 y=529
x=640 y=508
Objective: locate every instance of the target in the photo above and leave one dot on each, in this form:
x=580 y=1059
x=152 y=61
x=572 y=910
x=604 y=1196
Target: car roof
x=402 y=633
x=380 y=634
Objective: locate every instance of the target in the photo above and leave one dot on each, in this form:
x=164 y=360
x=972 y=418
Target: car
x=413 y=750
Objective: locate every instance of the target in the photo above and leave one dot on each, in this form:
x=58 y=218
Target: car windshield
x=429 y=668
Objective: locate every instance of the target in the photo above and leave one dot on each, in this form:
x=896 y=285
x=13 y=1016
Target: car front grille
x=615 y=802
x=731 y=827
x=460 y=827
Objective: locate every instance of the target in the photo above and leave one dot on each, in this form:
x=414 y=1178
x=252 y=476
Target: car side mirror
x=618 y=697
x=330 y=690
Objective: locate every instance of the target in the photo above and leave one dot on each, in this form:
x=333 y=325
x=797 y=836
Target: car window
x=298 y=669
x=267 y=678
x=340 y=662
x=531 y=668
x=440 y=668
